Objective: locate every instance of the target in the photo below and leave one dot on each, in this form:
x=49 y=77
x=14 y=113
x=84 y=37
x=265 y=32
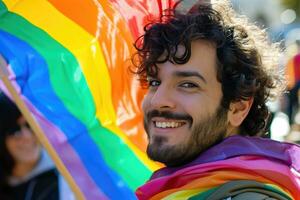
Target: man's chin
x=156 y=151
x=170 y=155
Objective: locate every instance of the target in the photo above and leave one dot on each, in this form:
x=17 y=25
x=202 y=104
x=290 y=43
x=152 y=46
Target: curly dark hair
x=247 y=62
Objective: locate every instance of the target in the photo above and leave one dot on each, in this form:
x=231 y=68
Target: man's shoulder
x=247 y=189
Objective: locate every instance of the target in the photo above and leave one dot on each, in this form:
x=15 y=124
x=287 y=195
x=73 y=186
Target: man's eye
x=153 y=83
x=188 y=85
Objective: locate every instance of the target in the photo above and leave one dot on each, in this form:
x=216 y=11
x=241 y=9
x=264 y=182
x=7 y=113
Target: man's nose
x=163 y=98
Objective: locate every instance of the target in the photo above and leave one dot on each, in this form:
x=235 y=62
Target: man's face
x=182 y=112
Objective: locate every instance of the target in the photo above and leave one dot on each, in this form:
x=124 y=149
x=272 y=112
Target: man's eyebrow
x=188 y=74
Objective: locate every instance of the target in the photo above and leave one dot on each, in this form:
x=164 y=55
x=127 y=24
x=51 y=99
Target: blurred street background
x=281 y=19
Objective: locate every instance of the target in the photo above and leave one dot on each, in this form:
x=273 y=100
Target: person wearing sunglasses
x=26 y=171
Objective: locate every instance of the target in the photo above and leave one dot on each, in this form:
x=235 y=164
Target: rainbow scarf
x=275 y=164
x=68 y=60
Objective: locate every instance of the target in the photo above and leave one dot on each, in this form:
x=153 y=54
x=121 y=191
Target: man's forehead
x=201 y=62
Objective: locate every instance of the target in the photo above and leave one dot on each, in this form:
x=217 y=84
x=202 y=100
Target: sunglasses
x=16 y=129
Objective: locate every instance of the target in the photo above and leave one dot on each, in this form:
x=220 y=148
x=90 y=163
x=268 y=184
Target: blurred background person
x=291 y=100
x=281 y=20
x=26 y=171
x=293 y=82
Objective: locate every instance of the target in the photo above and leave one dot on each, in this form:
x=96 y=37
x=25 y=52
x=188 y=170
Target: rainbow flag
x=276 y=165
x=68 y=61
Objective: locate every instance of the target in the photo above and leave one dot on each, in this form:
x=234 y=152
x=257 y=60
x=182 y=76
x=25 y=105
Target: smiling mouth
x=170 y=124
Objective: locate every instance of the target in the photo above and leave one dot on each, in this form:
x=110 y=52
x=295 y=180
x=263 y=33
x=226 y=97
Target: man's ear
x=238 y=111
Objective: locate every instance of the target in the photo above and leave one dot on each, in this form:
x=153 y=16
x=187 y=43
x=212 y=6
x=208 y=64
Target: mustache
x=169 y=115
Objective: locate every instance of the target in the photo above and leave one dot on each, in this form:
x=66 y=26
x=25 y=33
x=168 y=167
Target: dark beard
x=205 y=134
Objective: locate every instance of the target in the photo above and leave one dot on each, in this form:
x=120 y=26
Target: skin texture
x=24 y=148
x=186 y=97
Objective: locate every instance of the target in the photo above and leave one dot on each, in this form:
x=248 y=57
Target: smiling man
x=179 y=128
x=209 y=74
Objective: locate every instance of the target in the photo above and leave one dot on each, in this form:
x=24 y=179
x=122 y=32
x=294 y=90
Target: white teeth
x=167 y=124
